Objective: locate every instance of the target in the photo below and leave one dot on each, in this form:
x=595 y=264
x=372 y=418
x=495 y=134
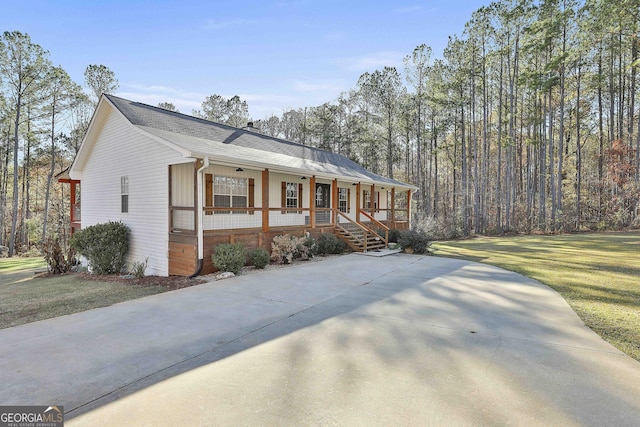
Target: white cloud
x=335 y=36
x=319 y=86
x=261 y=105
x=408 y=9
x=211 y=24
x=374 y=60
x=296 y=94
x=163 y=90
x=184 y=101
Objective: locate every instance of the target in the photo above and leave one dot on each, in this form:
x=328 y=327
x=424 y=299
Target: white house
x=183 y=185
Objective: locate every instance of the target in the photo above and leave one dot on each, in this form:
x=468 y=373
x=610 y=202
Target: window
x=229 y=192
x=319 y=196
x=291 y=196
x=343 y=200
x=124 y=194
x=366 y=200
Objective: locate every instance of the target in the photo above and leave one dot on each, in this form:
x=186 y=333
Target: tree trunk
x=561 y=129
x=601 y=141
x=51 y=169
x=578 y=154
x=14 y=218
x=499 y=160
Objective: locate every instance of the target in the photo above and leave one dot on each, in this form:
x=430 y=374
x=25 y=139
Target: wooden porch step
x=353 y=236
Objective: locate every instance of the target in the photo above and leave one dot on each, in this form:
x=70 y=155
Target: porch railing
x=378 y=228
x=183 y=219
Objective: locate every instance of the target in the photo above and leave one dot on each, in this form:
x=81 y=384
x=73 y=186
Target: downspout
x=200 y=207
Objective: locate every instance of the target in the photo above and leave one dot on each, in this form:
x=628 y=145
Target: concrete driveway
x=351 y=340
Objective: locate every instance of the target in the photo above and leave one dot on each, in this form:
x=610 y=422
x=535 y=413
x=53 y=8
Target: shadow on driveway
x=349 y=340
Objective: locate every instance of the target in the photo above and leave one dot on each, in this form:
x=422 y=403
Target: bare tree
x=23 y=67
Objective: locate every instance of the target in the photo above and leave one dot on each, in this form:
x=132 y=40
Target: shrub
x=329 y=243
x=57 y=262
x=416 y=239
x=104 y=245
x=139 y=268
x=311 y=243
x=229 y=257
x=259 y=257
x=441 y=228
x=394 y=234
x=285 y=248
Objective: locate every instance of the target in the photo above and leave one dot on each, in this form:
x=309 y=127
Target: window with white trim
x=366 y=200
x=124 y=194
x=292 y=195
x=230 y=192
x=343 y=200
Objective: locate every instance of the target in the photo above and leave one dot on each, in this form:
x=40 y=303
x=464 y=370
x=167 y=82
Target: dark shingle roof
x=192 y=133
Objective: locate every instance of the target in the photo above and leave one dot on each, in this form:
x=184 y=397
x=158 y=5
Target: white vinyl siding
x=182 y=185
x=122 y=151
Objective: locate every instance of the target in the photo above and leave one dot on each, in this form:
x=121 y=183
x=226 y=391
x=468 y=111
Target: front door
x=323 y=201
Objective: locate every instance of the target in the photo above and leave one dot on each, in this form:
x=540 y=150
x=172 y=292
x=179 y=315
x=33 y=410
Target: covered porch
x=217 y=203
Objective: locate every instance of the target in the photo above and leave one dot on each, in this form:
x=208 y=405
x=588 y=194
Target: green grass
x=15 y=264
x=25 y=298
x=597 y=274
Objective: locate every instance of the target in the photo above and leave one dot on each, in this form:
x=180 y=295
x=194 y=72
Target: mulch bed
x=174 y=282
x=170 y=282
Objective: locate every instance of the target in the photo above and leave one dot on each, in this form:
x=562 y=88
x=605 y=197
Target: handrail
x=365 y=229
x=379 y=224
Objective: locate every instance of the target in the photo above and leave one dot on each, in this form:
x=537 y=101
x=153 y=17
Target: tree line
x=528 y=121
x=43 y=117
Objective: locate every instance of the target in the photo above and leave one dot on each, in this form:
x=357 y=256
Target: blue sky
x=276 y=54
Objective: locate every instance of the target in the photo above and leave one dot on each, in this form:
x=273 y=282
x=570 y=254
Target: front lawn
x=26 y=298
x=597 y=274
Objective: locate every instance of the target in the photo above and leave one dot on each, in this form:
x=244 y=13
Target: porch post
x=334 y=200
x=312 y=201
x=358 y=202
x=373 y=200
x=393 y=207
x=170 y=200
x=73 y=201
x=197 y=165
x=265 y=200
x=409 y=207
